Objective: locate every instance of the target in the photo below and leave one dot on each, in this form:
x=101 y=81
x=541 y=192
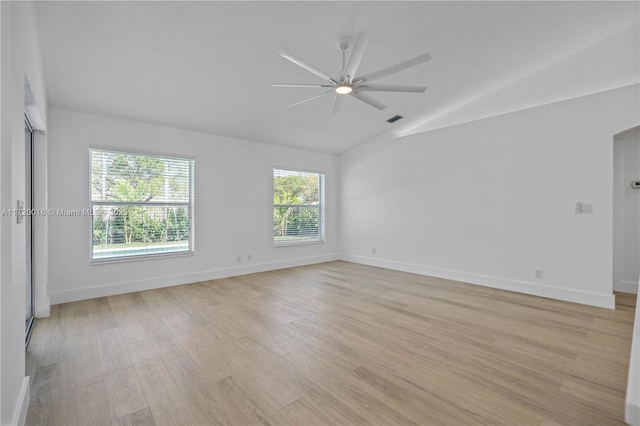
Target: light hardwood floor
x=335 y=343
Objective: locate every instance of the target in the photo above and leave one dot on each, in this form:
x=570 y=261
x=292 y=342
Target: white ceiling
x=207 y=65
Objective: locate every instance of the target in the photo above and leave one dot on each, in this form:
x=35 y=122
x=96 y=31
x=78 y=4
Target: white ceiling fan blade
x=311 y=98
x=335 y=104
x=368 y=100
x=302 y=85
x=395 y=68
x=355 y=57
x=307 y=67
x=390 y=88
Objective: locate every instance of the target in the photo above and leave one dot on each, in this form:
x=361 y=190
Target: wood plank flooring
x=329 y=344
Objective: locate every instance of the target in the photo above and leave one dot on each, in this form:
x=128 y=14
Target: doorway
x=626 y=210
x=28 y=221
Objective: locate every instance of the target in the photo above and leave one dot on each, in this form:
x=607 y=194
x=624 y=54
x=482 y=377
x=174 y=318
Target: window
x=298 y=207
x=141 y=204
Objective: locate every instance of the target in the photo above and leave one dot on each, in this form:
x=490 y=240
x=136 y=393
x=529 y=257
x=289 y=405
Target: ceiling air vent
x=394 y=119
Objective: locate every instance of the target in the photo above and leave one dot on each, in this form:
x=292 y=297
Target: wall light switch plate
x=20 y=211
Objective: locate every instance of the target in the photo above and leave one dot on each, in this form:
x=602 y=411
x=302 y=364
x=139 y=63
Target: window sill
x=140 y=257
x=299 y=243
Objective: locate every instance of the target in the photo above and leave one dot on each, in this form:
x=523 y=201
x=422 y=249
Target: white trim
x=139 y=257
x=40 y=227
x=632 y=400
x=298 y=170
x=43 y=310
x=190 y=205
x=321 y=206
x=299 y=243
x=626 y=287
x=127 y=150
x=559 y=293
x=153 y=283
x=542 y=290
x=22 y=404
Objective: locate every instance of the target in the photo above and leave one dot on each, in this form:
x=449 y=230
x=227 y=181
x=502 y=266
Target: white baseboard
x=43 y=310
x=535 y=289
x=22 y=405
x=632 y=400
x=542 y=290
x=167 y=281
x=626 y=286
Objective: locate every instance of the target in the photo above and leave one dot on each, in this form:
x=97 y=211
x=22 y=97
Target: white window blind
x=298 y=207
x=141 y=204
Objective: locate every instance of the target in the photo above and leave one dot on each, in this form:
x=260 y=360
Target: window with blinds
x=298 y=207
x=142 y=205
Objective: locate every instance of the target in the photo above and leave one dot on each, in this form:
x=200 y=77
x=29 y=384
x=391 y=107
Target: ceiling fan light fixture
x=349 y=82
x=344 y=89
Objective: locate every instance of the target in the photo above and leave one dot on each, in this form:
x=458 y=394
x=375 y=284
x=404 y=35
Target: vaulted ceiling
x=207 y=66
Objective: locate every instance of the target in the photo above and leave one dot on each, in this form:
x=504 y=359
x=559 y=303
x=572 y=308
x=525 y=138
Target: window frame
x=321 y=207
x=190 y=207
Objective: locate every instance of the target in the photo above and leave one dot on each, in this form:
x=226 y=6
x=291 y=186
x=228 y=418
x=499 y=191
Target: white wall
x=233 y=206
x=20 y=62
x=491 y=201
x=626 y=211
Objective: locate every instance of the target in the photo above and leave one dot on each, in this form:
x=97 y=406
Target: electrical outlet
x=539 y=273
x=583 y=208
x=373 y=251
x=249 y=257
x=239 y=259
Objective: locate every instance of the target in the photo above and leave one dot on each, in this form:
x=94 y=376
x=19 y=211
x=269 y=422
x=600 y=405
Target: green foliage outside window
x=297 y=206
x=139 y=200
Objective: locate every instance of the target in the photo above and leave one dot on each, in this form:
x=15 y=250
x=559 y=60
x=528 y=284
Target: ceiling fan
x=350 y=84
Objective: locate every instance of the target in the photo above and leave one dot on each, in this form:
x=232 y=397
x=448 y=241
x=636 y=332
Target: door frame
x=29 y=240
